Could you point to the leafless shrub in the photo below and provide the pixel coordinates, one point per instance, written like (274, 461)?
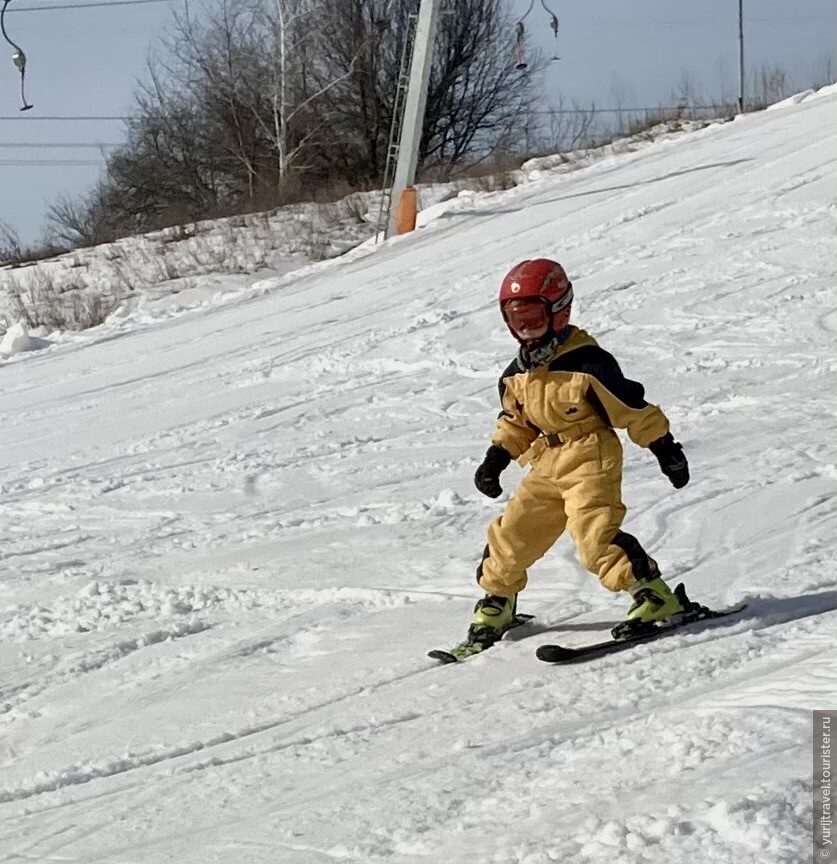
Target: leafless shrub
(10, 249)
(320, 245)
(568, 127)
(80, 222)
(206, 256)
(768, 84)
(112, 253)
(125, 278)
(355, 208)
(178, 233)
(167, 265)
(39, 301)
(14, 253)
(494, 181)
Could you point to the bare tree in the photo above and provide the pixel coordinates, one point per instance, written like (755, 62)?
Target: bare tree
(769, 84)
(218, 63)
(251, 100)
(162, 173)
(687, 94)
(360, 49)
(568, 127)
(476, 98)
(81, 222)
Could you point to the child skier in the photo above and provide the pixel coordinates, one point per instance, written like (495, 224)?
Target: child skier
(562, 397)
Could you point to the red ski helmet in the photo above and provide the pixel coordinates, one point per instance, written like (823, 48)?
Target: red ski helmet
(535, 300)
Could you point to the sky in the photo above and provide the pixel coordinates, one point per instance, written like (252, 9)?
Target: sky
(84, 62)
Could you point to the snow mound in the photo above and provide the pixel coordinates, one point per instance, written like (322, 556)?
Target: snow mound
(17, 341)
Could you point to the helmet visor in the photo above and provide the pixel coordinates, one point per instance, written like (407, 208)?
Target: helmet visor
(528, 319)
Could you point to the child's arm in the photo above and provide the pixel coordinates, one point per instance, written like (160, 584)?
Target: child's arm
(512, 437)
(514, 433)
(622, 401)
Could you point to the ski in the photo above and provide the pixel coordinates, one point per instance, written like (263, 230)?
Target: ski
(466, 649)
(559, 654)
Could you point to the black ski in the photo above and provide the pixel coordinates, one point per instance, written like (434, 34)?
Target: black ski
(561, 654)
(467, 649)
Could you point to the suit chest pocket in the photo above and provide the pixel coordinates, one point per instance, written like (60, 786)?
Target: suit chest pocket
(565, 404)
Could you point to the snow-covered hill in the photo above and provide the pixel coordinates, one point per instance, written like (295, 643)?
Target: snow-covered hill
(148, 277)
(230, 535)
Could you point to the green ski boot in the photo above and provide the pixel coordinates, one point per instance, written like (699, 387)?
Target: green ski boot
(654, 604)
(493, 615)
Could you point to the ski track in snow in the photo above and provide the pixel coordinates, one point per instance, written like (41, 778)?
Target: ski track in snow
(230, 537)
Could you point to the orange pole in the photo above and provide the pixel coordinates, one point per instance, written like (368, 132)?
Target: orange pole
(405, 219)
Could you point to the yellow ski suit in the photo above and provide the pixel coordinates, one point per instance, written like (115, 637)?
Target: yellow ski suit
(559, 418)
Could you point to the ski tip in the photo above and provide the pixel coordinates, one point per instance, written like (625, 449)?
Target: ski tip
(442, 656)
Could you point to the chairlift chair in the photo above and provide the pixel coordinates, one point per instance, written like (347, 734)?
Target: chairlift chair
(520, 36)
(18, 58)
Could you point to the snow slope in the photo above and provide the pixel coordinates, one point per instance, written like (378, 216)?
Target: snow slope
(186, 267)
(230, 536)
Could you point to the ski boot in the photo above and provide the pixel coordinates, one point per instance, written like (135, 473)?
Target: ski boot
(655, 604)
(493, 615)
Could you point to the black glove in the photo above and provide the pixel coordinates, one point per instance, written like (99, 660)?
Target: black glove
(672, 460)
(487, 478)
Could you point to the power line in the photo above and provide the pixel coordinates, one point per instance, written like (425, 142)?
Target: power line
(55, 145)
(648, 109)
(91, 118)
(49, 163)
(96, 118)
(69, 145)
(611, 22)
(94, 5)
(691, 23)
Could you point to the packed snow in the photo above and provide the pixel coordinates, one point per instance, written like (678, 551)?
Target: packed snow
(234, 527)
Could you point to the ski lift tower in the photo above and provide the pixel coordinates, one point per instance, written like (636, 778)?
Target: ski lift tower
(408, 146)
